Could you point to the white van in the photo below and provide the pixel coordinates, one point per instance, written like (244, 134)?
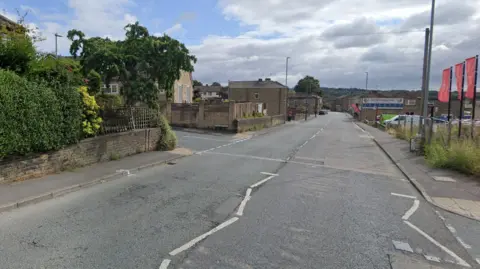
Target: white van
(400, 119)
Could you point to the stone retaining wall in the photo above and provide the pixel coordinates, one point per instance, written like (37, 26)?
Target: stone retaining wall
(86, 152)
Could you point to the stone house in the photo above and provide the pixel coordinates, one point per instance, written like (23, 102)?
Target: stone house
(209, 92)
(9, 24)
(272, 93)
(182, 88)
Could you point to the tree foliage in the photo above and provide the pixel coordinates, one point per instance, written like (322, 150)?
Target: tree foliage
(94, 82)
(216, 84)
(16, 50)
(308, 84)
(56, 71)
(143, 63)
(36, 117)
(90, 119)
(197, 83)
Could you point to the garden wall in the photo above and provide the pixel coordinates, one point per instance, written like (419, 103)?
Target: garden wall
(253, 124)
(86, 152)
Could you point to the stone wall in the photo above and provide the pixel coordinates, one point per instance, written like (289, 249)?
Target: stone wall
(86, 152)
(254, 124)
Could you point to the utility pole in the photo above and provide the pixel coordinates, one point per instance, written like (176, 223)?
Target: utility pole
(424, 82)
(366, 81)
(56, 44)
(429, 62)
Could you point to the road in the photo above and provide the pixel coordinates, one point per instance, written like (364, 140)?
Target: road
(315, 194)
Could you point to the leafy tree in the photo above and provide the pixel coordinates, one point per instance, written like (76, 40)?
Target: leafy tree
(56, 71)
(308, 84)
(94, 82)
(197, 83)
(216, 84)
(143, 63)
(16, 50)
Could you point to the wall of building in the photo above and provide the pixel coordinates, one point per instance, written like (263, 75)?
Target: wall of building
(183, 88)
(274, 98)
(86, 152)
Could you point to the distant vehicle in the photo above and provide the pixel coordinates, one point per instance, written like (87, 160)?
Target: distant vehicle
(323, 112)
(400, 119)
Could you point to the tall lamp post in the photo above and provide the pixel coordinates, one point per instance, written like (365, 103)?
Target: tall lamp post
(366, 81)
(429, 59)
(286, 72)
(286, 85)
(56, 44)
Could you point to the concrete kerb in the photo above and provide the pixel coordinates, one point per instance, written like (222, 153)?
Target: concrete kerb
(60, 192)
(417, 184)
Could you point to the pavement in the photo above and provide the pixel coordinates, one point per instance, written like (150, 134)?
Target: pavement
(455, 193)
(314, 194)
(447, 189)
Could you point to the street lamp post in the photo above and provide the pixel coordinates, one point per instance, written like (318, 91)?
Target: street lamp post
(286, 72)
(56, 44)
(366, 81)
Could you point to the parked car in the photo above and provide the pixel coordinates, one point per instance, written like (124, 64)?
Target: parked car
(400, 119)
(322, 112)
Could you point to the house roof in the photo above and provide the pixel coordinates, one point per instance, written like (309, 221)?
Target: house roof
(4, 19)
(208, 88)
(262, 84)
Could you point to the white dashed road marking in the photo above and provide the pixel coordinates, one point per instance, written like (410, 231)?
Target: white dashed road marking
(164, 264)
(465, 245)
(203, 236)
(244, 202)
(412, 210)
(403, 195)
(458, 260)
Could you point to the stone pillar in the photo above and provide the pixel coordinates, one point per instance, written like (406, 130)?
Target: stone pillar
(201, 115)
(231, 115)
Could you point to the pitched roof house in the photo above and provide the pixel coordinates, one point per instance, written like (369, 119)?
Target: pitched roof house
(272, 93)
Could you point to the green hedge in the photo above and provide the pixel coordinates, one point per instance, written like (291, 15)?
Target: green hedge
(35, 117)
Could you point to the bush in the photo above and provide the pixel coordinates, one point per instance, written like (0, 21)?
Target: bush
(94, 82)
(168, 139)
(56, 71)
(462, 155)
(31, 117)
(90, 119)
(16, 50)
(109, 101)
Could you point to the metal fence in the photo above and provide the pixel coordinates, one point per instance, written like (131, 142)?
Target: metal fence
(122, 119)
(435, 129)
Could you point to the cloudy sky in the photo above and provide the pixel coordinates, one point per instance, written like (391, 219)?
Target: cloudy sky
(336, 41)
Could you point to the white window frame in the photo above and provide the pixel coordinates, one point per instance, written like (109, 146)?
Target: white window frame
(411, 102)
(114, 88)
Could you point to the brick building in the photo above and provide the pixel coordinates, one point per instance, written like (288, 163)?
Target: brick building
(269, 92)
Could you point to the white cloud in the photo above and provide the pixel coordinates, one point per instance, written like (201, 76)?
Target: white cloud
(338, 40)
(333, 40)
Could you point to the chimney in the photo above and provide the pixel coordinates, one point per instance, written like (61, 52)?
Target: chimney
(259, 79)
(268, 79)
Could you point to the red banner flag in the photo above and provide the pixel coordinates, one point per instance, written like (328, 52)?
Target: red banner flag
(444, 92)
(459, 79)
(355, 108)
(470, 68)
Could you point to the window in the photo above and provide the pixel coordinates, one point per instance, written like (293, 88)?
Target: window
(255, 95)
(114, 88)
(209, 93)
(411, 102)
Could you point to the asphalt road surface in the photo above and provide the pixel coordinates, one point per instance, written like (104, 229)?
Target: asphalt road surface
(315, 194)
